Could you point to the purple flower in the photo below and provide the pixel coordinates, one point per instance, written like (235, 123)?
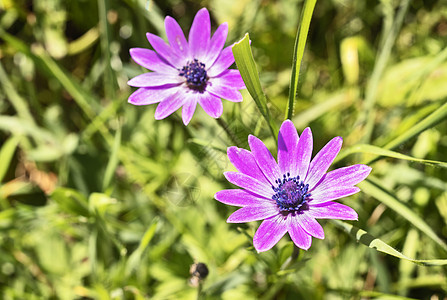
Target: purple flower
(186, 73)
(291, 194)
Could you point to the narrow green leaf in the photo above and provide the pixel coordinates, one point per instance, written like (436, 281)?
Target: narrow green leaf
(429, 121)
(71, 201)
(45, 63)
(300, 44)
(135, 258)
(366, 239)
(109, 76)
(363, 148)
(6, 154)
(19, 103)
(113, 161)
(372, 187)
(247, 67)
(389, 35)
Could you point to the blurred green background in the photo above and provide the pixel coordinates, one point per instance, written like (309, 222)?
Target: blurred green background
(100, 201)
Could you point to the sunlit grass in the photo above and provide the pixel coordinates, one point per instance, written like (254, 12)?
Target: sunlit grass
(99, 200)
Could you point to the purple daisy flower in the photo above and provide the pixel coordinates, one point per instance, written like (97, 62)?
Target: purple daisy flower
(187, 72)
(291, 194)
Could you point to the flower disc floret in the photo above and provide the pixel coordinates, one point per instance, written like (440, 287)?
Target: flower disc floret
(290, 194)
(195, 74)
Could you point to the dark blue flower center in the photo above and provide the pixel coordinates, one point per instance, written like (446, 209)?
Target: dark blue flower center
(291, 194)
(195, 74)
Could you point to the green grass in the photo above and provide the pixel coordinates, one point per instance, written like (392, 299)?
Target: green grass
(100, 201)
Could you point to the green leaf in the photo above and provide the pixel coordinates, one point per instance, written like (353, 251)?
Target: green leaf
(364, 148)
(71, 201)
(247, 67)
(366, 239)
(135, 258)
(372, 187)
(429, 121)
(113, 161)
(300, 44)
(6, 155)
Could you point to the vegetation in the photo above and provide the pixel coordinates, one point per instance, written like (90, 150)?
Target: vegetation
(98, 200)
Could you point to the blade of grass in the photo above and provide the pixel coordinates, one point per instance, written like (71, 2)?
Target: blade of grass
(339, 100)
(135, 258)
(429, 121)
(368, 114)
(113, 161)
(7, 153)
(20, 105)
(45, 63)
(370, 241)
(247, 67)
(300, 44)
(384, 152)
(372, 187)
(109, 78)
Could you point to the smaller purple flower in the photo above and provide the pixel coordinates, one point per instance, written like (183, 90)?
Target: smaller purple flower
(187, 72)
(291, 194)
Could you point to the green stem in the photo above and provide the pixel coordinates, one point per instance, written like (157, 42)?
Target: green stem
(199, 291)
(229, 132)
(292, 258)
(300, 44)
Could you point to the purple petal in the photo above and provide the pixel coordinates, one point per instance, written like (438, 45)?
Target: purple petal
(176, 38)
(222, 63)
(230, 78)
(238, 197)
(322, 161)
(332, 210)
(287, 146)
(304, 153)
(165, 51)
(145, 96)
(151, 60)
(333, 194)
(347, 176)
(270, 232)
(153, 79)
(298, 235)
(188, 108)
(245, 163)
(253, 213)
(264, 159)
(216, 44)
(222, 91)
(199, 35)
(310, 225)
(249, 183)
(211, 104)
(169, 105)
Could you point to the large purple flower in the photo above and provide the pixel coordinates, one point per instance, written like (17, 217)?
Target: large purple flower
(291, 194)
(187, 73)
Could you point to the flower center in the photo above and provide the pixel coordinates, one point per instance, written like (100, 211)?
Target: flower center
(291, 194)
(195, 74)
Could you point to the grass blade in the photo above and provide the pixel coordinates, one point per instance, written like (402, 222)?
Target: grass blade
(113, 161)
(428, 122)
(300, 44)
(371, 90)
(373, 189)
(366, 239)
(371, 149)
(6, 154)
(247, 67)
